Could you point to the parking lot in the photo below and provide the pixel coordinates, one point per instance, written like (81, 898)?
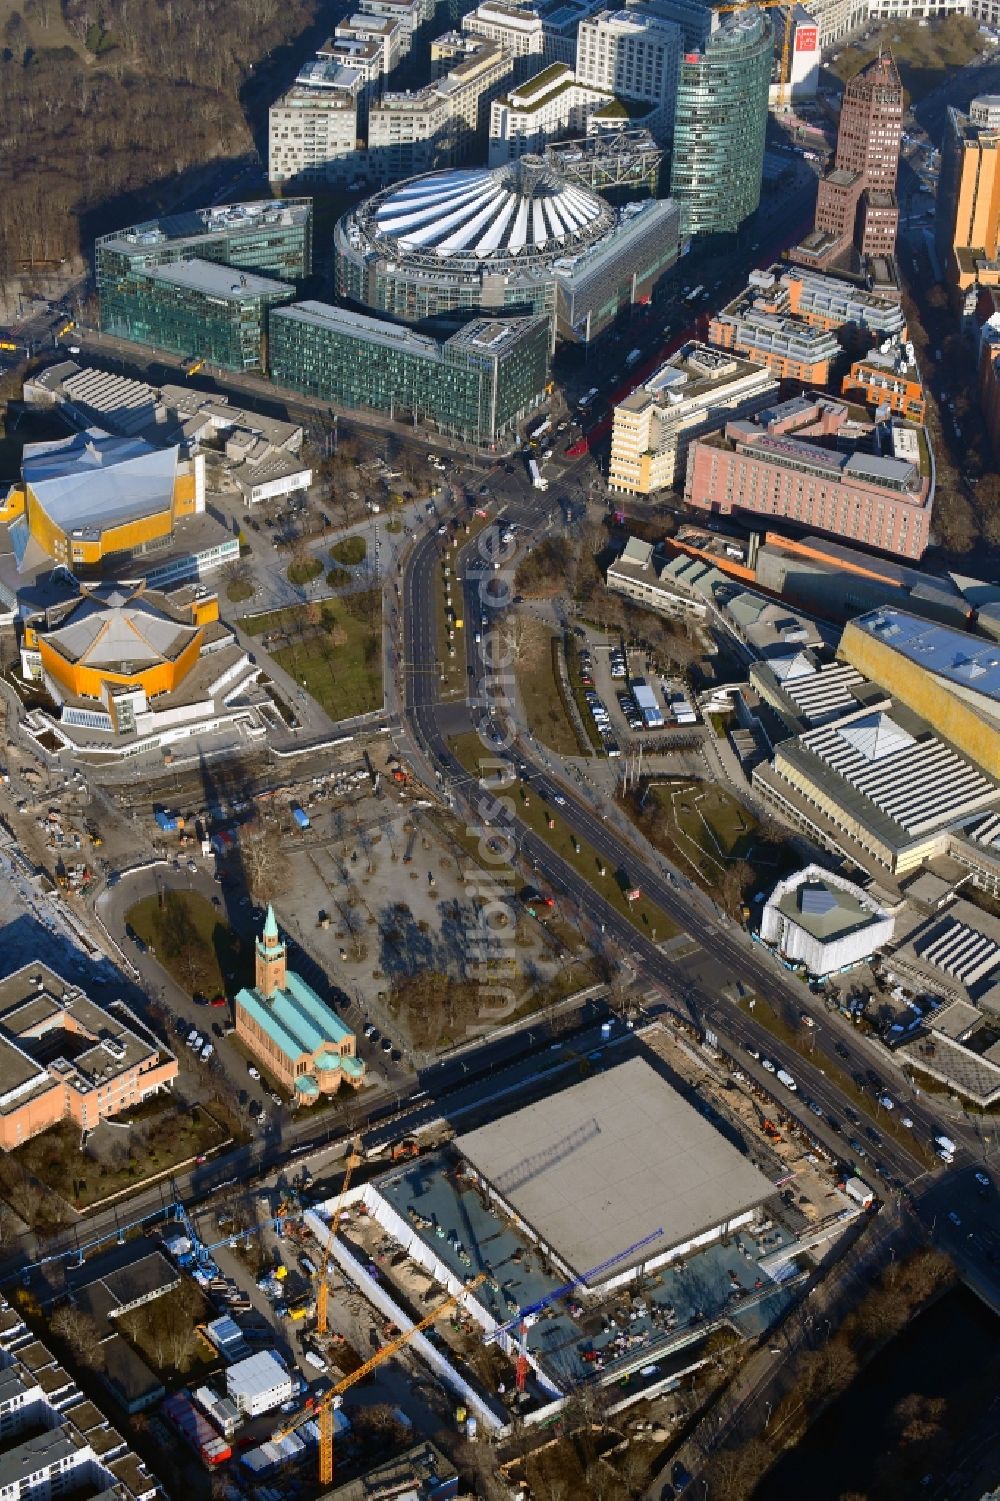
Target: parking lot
(626, 699)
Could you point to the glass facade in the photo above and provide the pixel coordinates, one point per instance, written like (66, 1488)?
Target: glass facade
(227, 330)
(139, 299)
(475, 386)
(720, 124)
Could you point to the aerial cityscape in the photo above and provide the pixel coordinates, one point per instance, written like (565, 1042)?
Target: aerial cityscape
(500, 784)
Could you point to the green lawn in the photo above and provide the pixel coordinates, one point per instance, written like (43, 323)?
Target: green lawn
(189, 939)
(351, 551)
(239, 590)
(705, 830)
(540, 690)
(333, 649)
(612, 884)
(304, 572)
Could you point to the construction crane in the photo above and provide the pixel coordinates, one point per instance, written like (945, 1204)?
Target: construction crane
(323, 1284)
(322, 1410)
(788, 7)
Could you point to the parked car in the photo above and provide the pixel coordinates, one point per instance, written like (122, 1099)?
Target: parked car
(253, 1072)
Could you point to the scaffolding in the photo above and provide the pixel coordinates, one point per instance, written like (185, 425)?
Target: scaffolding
(625, 163)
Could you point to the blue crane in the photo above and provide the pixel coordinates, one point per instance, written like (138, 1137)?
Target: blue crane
(567, 1287)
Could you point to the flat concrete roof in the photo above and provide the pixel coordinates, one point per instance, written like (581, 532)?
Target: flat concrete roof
(600, 1166)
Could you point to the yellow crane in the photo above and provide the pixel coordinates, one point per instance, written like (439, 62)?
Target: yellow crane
(323, 1285)
(786, 43)
(322, 1410)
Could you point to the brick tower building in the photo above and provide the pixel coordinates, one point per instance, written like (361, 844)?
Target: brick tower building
(856, 209)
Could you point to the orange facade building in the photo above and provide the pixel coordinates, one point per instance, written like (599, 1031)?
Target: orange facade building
(64, 1057)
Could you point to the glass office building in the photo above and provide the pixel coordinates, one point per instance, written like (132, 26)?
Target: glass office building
(720, 124)
(475, 386)
(201, 283)
(201, 309)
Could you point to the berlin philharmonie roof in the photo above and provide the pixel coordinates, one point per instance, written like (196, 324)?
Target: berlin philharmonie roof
(600, 1166)
(111, 628)
(480, 213)
(93, 480)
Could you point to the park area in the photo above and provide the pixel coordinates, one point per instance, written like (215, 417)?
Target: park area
(332, 648)
(142, 1143)
(925, 55)
(188, 937)
(710, 835)
(532, 646)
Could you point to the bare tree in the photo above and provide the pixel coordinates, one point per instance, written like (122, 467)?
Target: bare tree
(265, 864)
(79, 1331)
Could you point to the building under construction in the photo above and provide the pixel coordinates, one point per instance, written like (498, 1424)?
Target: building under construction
(622, 166)
(608, 1227)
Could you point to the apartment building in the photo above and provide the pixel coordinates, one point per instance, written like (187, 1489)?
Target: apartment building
(409, 15)
(633, 56)
(529, 116)
(514, 27)
(789, 348)
(788, 318)
(384, 31)
(692, 394)
(312, 130)
(811, 462)
(888, 377)
(53, 1440)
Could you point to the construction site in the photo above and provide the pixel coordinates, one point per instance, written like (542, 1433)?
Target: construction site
(601, 1230)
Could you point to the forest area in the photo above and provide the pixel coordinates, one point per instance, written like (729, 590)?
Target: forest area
(100, 100)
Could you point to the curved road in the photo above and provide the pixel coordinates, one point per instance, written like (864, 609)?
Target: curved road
(431, 724)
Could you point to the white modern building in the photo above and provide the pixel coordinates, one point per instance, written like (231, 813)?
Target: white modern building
(824, 922)
(384, 31)
(532, 114)
(636, 56)
(259, 1384)
(695, 392)
(804, 52)
(410, 15)
(519, 30)
(312, 130)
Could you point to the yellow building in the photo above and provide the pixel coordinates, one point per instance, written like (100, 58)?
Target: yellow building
(696, 391)
(948, 677)
(967, 219)
(113, 655)
(91, 497)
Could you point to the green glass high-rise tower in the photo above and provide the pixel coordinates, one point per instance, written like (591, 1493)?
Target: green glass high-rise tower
(720, 124)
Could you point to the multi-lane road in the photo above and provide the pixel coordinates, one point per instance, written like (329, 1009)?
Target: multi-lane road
(904, 1158)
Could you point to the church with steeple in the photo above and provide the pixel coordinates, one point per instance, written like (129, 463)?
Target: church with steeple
(297, 1039)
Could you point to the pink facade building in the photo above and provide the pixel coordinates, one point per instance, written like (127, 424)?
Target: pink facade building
(813, 462)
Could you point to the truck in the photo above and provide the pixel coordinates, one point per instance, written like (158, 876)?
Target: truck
(785, 1078)
(537, 479)
(540, 431)
(943, 1145)
(632, 358)
(301, 817)
(858, 1190)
